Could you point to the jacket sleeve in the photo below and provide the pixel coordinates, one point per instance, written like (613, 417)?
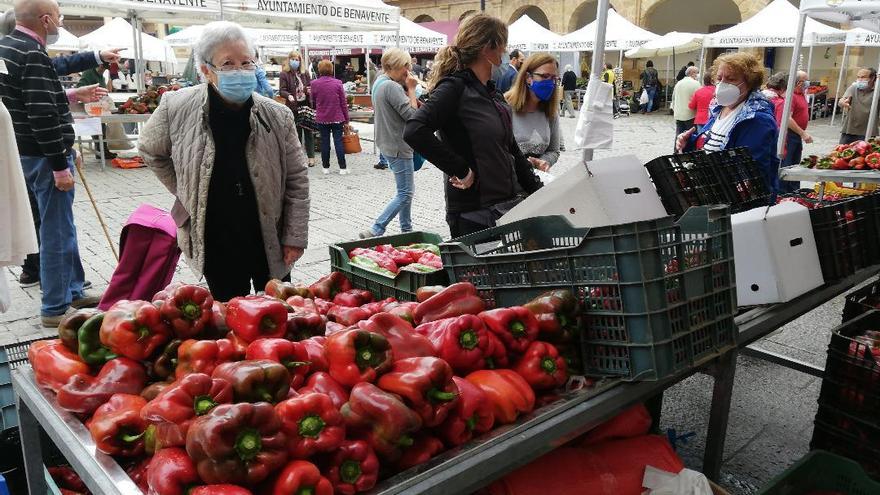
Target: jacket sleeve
(38, 95)
(343, 101)
(432, 116)
(760, 138)
(296, 191)
(284, 88)
(400, 101)
(551, 154)
(78, 62)
(525, 174)
(693, 103)
(155, 147)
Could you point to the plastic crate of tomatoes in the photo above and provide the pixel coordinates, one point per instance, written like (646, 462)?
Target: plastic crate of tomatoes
(852, 370)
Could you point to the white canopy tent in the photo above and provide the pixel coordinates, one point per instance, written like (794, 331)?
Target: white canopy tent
(311, 15)
(261, 37)
(67, 42)
(117, 34)
(619, 34)
(669, 44)
(527, 35)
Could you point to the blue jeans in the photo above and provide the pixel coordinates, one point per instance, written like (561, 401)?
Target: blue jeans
(382, 159)
(794, 148)
(402, 202)
(325, 130)
(652, 94)
(61, 271)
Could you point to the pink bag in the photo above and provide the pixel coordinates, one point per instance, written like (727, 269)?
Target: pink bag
(148, 254)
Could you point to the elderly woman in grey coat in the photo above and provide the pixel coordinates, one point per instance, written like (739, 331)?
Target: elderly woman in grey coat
(232, 159)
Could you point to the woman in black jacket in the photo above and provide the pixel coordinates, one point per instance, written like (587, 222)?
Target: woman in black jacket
(487, 175)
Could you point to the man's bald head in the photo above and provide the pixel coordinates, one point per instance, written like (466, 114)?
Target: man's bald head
(29, 12)
(801, 76)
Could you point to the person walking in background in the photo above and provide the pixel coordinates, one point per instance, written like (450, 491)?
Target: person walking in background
(417, 69)
(331, 114)
(609, 77)
(569, 86)
(394, 102)
(294, 86)
(700, 101)
(241, 182)
(510, 71)
(650, 82)
(796, 135)
(682, 94)
(474, 144)
(534, 99)
(856, 101)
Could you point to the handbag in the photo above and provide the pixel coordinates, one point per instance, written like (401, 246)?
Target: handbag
(351, 141)
(305, 117)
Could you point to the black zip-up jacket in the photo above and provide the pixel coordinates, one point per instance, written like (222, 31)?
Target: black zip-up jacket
(569, 81)
(475, 132)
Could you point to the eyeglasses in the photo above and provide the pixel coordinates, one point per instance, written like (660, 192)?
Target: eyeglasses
(228, 66)
(552, 77)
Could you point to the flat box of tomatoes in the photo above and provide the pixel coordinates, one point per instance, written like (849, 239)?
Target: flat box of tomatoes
(314, 389)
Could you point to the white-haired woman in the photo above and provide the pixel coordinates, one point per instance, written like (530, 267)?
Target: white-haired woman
(232, 160)
(394, 102)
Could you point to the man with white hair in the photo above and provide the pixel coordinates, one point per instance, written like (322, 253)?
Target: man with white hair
(681, 98)
(569, 86)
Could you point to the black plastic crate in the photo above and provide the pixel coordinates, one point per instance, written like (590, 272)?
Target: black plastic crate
(741, 178)
(841, 232)
(851, 380)
(861, 301)
(685, 180)
(843, 434)
(656, 295)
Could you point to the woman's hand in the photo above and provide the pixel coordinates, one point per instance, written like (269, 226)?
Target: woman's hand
(465, 183)
(682, 139)
(290, 98)
(292, 254)
(542, 165)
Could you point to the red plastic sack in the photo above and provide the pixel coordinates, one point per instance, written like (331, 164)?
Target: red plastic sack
(610, 468)
(634, 422)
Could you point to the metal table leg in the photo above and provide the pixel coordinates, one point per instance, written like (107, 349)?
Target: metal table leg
(722, 393)
(101, 150)
(29, 430)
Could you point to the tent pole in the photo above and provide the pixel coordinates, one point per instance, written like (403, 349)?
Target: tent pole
(367, 63)
(792, 79)
(702, 61)
(140, 52)
(669, 59)
(598, 55)
(839, 82)
(872, 119)
(810, 59)
(620, 60)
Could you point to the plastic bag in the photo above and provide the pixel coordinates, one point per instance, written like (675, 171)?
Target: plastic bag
(643, 99)
(633, 422)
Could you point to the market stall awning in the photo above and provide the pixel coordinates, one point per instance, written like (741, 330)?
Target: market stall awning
(859, 13)
(862, 37)
(775, 25)
(310, 15)
(118, 34)
(620, 34)
(526, 34)
(67, 42)
(173, 11)
(668, 44)
(413, 37)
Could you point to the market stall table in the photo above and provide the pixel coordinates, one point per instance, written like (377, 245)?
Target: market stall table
(114, 118)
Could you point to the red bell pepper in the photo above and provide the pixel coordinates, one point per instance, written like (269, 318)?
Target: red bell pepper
(291, 354)
(283, 290)
(258, 380)
(134, 329)
(424, 447)
(460, 341)
(555, 310)
(330, 285)
(173, 410)
(333, 327)
(357, 356)
(542, 366)
(69, 326)
(324, 306)
(353, 298)
(312, 425)
(474, 413)
(117, 427)
(840, 164)
(496, 354)
(255, 317)
(323, 383)
(509, 393)
(405, 311)
(426, 292)
(397, 255)
(302, 304)
(383, 260)
(187, 309)
(382, 418)
(456, 300)
(431, 259)
(202, 356)
(216, 327)
(301, 478)
(404, 341)
(425, 385)
(314, 347)
(172, 472)
(154, 389)
(238, 344)
(380, 306)
(873, 161)
(347, 316)
(353, 468)
(83, 393)
(302, 324)
(860, 147)
(237, 443)
(65, 477)
(221, 489)
(54, 363)
(137, 471)
(516, 326)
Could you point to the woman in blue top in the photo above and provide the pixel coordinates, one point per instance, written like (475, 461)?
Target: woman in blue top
(740, 116)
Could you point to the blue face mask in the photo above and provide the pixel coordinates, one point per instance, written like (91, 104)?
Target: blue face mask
(862, 84)
(236, 85)
(294, 64)
(543, 89)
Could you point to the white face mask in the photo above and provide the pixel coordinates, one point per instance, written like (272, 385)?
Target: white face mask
(726, 94)
(52, 38)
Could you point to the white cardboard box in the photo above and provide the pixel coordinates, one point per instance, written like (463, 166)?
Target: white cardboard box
(775, 257)
(618, 191)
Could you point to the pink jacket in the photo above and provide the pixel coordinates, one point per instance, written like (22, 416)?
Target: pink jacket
(328, 99)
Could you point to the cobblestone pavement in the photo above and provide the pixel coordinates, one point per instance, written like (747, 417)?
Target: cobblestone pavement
(771, 421)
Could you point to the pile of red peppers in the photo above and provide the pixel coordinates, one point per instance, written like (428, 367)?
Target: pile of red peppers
(315, 389)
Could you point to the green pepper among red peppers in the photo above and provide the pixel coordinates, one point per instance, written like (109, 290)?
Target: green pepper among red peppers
(312, 425)
(188, 310)
(171, 472)
(353, 468)
(542, 366)
(117, 427)
(357, 356)
(69, 326)
(301, 478)
(258, 380)
(83, 393)
(237, 443)
(460, 341)
(385, 421)
(54, 363)
(456, 300)
(516, 326)
(292, 355)
(90, 348)
(202, 356)
(404, 341)
(508, 392)
(255, 317)
(425, 385)
(473, 414)
(134, 329)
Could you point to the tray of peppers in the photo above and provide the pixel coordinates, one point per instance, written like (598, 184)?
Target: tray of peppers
(858, 155)
(316, 389)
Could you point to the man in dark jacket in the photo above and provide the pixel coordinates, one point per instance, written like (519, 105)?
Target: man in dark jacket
(683, 72)
(507, 77)
(569, 86)
(650, 82)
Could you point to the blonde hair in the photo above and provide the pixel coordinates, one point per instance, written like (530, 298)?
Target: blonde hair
(302, 64)
(325, 68)
(475, 33)
(395, 58)
(518, 94)
(744, 64)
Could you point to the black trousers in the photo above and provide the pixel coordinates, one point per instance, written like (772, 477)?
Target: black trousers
(850, 138)
(229, 272)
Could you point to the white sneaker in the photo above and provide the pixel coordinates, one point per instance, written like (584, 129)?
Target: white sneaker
(325, 171)
(344, 171)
